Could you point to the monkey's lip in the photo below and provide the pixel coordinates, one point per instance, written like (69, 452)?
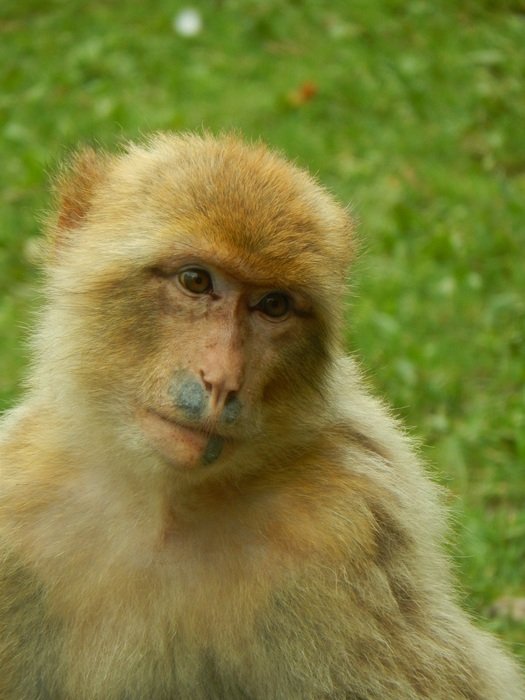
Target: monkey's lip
(190, 430)
(174, 421)
(180, 444)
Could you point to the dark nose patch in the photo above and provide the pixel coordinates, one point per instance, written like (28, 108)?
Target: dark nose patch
(231, 411)
(189, 396)
(213, 449)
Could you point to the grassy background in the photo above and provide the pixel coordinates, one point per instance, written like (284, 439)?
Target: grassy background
(412, 110)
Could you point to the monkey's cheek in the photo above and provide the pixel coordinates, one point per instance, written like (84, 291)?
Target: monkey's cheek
(181, 447)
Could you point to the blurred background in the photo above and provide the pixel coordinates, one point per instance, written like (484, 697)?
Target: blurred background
(413, 112)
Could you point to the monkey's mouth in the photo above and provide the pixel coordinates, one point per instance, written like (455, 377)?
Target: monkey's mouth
(180, 444)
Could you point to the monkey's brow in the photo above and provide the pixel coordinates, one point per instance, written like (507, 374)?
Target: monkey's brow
(234, 267)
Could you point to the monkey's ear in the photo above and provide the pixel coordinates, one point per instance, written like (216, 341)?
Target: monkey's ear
(75, 187)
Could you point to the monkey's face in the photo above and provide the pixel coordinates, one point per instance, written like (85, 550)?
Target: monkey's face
(196, 360)
(203, 296)
(222, 347)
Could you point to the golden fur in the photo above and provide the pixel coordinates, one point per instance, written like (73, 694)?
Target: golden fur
(304, 560)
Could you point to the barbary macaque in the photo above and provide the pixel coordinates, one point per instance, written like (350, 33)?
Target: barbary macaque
(199, 497)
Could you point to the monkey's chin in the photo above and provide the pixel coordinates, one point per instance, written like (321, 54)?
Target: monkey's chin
(182, 447)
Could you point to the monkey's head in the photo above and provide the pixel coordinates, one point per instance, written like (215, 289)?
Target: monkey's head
(195, 293)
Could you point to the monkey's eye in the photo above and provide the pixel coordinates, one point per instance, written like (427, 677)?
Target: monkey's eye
(274, 305)
(195, 280)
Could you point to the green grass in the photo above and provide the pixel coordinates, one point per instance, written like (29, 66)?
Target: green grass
(417, 119)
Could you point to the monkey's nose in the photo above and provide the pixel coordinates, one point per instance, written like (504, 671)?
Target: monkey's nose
(223, 402)
(195, 398)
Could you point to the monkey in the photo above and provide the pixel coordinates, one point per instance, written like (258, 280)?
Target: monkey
(201, 498)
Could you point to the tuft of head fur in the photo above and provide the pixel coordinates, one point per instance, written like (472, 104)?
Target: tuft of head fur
(229, 195)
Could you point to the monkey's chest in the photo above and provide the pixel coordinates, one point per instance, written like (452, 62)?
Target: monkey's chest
(177, 625)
